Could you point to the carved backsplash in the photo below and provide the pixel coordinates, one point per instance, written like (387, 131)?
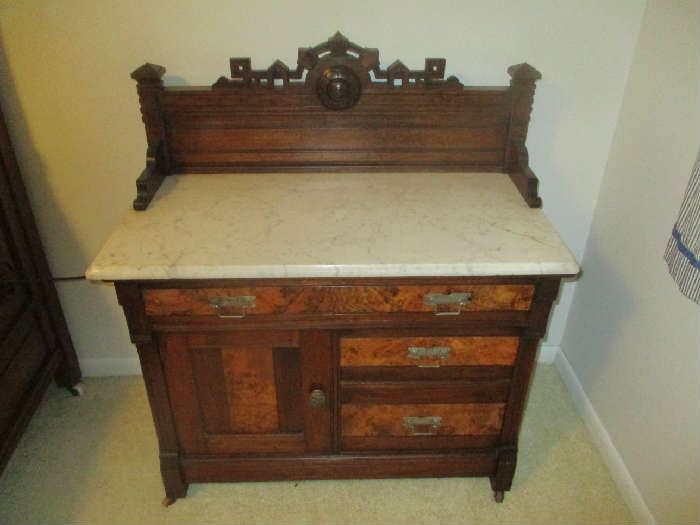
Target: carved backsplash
(338, 110)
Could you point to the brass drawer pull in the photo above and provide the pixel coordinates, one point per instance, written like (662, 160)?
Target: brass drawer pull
(242, 302)
(436, 300)
(422, 425)
(428, 352)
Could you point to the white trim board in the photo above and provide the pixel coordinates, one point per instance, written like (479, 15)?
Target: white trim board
(612, 458)
(547, 354)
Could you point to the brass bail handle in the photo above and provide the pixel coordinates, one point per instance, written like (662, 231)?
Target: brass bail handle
(453, 301)
(223, 305)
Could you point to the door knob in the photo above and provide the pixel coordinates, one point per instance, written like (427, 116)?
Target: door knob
(317, 398)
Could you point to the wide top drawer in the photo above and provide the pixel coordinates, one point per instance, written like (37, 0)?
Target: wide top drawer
(238, 301)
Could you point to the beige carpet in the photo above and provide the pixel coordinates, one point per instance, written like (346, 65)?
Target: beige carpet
(93, 460)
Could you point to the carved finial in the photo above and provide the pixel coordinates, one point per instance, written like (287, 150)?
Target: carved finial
(397, 68)
(278, 68)
(524, 73)
(148, 73)
(338, 44)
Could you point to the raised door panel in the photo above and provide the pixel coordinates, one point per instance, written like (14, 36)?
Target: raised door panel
(248, 392)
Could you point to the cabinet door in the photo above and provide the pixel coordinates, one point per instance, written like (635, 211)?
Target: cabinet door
(262, 392)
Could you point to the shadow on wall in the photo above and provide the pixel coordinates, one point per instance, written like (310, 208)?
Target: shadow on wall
(32, 166)
(86, 305)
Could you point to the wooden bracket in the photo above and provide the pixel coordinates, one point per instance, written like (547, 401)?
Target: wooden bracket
(150, 179)
(522, 176)
(522, 88)
(150, 89)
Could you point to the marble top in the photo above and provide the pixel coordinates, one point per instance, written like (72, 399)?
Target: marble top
(333, 225)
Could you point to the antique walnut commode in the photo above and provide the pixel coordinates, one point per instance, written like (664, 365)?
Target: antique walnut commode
(372, 306)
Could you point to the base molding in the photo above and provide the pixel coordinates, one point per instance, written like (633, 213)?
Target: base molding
(611, 456)
(547, 354)
(345, 466)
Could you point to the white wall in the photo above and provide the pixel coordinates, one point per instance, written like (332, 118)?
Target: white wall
(632, 338)
(73, 113)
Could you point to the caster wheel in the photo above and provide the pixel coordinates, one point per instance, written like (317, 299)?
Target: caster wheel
(498, 496)
(77, 389)
(167, 501)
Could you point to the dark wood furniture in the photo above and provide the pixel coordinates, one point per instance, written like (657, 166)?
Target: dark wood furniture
(260, 379)
(34, 341)
(337, 378)
(338, 111)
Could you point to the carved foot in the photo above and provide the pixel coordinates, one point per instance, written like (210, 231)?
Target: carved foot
(167, 501)
(498, 496)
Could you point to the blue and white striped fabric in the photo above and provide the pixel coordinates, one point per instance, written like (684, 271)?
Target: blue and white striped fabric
(683, 250)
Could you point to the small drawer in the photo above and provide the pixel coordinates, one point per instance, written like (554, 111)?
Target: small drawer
(237, 302)
(420, 426)
(428, 352)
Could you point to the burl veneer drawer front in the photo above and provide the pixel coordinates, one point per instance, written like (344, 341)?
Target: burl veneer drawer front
(237, 302)
(428, 352)
(420, 426)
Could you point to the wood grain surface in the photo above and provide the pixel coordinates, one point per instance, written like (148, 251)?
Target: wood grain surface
(394, 351)
(301, 300)
(388, 420)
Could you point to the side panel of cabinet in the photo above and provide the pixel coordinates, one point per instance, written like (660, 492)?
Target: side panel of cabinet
(247, 392)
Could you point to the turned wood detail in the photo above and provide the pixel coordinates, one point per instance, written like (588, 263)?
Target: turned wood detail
(337, 70)
(149, 78)
(522, 88)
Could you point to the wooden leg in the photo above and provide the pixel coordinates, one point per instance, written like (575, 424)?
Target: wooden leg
(174, 482)
(68, 373)
(505, 469)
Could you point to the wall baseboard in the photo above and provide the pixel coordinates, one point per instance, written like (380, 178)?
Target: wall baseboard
(548, 354)
(612, 458)
(109, 366)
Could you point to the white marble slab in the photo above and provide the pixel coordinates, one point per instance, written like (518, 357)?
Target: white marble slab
(333, 225)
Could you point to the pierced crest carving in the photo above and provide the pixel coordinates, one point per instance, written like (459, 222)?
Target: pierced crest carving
(338, 70)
